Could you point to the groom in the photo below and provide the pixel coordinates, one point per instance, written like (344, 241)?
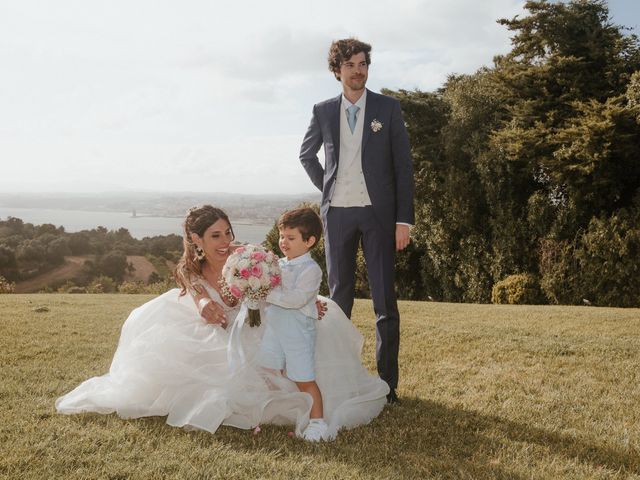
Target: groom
(367, 192)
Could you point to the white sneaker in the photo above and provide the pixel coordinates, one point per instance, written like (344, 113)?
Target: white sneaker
(316, 430)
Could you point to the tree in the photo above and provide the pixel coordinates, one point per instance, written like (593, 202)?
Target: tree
(57, 249)
(8, 263)
(566, 73)
(79, 243)
(514, 162)
(113, 265)
(31, 252)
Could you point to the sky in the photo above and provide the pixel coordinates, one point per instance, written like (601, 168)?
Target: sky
(205, 96)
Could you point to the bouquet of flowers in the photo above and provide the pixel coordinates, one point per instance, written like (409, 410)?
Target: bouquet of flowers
(250, 273)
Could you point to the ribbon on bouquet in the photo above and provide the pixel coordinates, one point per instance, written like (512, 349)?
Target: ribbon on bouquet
(235, 351)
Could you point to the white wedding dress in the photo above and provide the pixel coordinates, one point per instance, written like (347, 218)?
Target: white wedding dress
(170, 363)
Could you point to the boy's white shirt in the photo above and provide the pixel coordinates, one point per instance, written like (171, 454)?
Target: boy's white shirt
(301, 279)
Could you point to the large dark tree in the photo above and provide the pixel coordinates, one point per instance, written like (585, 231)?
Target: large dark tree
(516, 162)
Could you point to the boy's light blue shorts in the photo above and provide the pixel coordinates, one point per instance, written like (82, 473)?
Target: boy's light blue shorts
(289, 343)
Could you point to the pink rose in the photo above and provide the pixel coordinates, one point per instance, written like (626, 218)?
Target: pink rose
(256, 271)
(275, 281)
(235, 291)
(240, 250)
(258, 256)
(245, 273)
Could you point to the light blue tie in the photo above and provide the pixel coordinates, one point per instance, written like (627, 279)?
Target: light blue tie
(352, 111)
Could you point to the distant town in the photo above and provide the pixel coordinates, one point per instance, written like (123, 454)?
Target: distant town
(242, 208)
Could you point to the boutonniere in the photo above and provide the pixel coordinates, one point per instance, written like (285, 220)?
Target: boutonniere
(376, 125)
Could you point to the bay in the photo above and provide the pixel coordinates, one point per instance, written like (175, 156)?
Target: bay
(139, 227)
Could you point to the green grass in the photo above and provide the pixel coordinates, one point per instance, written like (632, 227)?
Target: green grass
(488, 392)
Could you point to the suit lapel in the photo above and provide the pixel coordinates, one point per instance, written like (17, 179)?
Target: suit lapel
(370, 112)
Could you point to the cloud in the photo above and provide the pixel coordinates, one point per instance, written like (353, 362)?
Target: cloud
(265, 55)
(168, 95)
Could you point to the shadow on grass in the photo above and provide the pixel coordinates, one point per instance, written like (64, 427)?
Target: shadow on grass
(418, 439)
(421, 438)
(475, 439)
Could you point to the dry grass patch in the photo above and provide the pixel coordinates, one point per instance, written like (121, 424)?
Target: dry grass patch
(487, 392)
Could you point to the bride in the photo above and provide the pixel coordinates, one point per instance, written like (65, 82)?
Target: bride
(186, 356)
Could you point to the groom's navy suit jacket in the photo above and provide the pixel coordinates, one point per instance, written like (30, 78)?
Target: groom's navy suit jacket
(386, 157)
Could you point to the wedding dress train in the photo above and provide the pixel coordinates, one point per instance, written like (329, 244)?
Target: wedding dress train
(170, 363)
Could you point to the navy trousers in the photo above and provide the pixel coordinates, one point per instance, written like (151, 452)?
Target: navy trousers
(344, 229)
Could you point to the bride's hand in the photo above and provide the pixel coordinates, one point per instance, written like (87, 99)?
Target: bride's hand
(212, 312)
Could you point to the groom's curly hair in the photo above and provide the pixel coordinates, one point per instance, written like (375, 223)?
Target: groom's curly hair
(342, 50)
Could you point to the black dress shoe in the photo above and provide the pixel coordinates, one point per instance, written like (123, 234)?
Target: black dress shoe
(392, 397)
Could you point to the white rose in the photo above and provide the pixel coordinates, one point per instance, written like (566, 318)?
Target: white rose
(254, 283)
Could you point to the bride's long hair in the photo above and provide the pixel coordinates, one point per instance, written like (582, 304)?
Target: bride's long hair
(189, 267)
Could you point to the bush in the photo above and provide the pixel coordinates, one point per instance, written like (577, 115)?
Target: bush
(153, 278)
(132, 287)
(6, 286)
(102, 284)
(76, 289)
(609, 258)
(160, 264)
(8, 263)
(62, 286)
(160, 287)
(600, 266)
(519, 289)
(113, 264)
(559, 271)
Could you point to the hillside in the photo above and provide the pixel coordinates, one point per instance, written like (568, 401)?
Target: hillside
(73, 265)
(68, 270)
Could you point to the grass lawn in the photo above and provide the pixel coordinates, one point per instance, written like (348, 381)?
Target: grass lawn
(488, 392)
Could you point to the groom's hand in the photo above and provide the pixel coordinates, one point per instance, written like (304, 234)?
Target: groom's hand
(402, 236)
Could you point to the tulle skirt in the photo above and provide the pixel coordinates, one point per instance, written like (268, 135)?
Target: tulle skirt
(170, 363)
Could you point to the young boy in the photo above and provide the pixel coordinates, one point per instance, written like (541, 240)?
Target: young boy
(290, 331)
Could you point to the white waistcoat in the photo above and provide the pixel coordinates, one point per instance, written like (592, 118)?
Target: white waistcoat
(350, 189)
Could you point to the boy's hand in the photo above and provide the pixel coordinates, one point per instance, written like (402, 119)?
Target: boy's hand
(322, 307)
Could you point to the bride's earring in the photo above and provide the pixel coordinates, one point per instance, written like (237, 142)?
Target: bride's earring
(199, 254)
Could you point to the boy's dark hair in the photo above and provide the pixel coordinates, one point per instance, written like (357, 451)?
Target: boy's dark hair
(304, 219)
(342, 50)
